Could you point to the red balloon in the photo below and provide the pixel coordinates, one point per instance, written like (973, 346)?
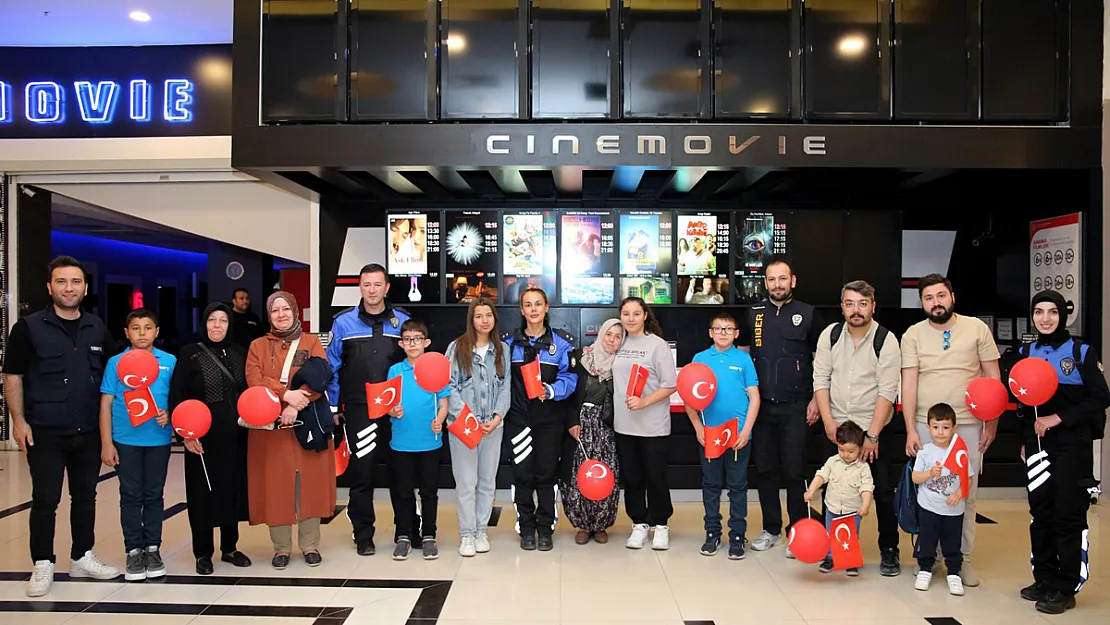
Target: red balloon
(595, 480)
(258, 406)
(137, 368)
(809, 541)
(697, 385)
(432, 371)
(986, 398)
(1033, 381)
(191, 419)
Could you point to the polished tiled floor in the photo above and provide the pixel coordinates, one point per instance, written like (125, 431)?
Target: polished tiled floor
(594, 584)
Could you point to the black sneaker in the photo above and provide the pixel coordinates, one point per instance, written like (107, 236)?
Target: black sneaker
(135, 570)
(826, 566)
(712, 542)
(852, 572)
(736, 548)
(365, 547)
(401, 551)
(429, 549)
(1035, 591)
(890, 564)
(528, 543)
(546, 543)
(1056, 602)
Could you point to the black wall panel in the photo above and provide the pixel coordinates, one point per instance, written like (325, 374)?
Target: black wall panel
(664, 62)
(1024, 60)
(752, 64)
(300, 81)
(936, 60)
(571, 60)
(847, 61)
(479, 48)
(389, 59)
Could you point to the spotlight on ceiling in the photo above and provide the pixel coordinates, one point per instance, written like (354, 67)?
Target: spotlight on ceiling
(139, 16)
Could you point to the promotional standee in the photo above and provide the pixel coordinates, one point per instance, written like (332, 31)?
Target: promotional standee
(1056, 263)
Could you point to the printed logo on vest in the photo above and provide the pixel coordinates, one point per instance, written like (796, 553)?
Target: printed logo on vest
(797, 319)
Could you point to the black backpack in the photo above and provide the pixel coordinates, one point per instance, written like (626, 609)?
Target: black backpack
(905, 503)
(880, 336)
(1098, 424)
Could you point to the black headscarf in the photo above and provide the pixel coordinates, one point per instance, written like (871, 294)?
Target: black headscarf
(204, 320)
(1060, 335)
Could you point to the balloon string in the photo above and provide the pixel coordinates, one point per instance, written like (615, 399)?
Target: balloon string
(435, 410)
(1035, 417)
(204, 466)
(585, 455)
(809, 508)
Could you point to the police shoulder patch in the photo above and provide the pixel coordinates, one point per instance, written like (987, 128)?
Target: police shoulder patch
(1101, 370)
(1067, 365)
(564, 335)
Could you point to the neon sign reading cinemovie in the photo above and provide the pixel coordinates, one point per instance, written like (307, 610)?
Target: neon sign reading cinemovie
(45, 101)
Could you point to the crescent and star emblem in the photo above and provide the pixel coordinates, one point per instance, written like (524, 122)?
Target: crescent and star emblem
(132, 384)
(964, 463)
(272, 396)
(1020, 391)
(694, 390)
(970, 404)
(602, 468)
(843, 541)
(470, 417)
(142, 402)
(727, 437)
(392, 396)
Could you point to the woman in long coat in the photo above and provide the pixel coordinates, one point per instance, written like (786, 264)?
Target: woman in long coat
(288, 483)
(212, 371)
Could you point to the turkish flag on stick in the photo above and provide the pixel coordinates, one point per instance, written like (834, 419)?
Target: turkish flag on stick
(140, 405)
(844, 541)
(720, 438)
(636, 381)
(383, 396)
(957, 462)
(533, 383)
(466, 428)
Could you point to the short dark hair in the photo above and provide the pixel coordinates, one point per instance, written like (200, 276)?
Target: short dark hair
(778, 260)
(861, 287)
(412, 325)
(62, 262)
(372, 268)
(723, 315)
(942, 412)
(238, 291)
(849, 432)
(141, 313)
(933, 279)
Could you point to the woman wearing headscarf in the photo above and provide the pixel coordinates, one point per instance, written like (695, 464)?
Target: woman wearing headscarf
(212, 371)
(596, 438)
(288, 483)
(1058, 447)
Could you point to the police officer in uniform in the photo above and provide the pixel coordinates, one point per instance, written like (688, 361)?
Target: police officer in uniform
(781, 334)
(364, 344)
(1058, 440)
(52, 375)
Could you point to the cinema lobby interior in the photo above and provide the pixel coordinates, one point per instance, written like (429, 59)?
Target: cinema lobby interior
(766, 298)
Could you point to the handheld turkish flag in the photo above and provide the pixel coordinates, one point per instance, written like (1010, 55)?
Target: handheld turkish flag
(533, 383)
(636, 381)
(342, 457)
(466, 428)
(721, 438)
(140, 405)
(846, 552)
(383, 396)
(957, 461)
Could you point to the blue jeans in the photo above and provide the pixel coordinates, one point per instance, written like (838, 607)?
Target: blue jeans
(142, 479)
(829, 516)
(729, 470)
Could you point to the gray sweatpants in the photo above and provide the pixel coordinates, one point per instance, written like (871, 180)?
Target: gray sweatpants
(475, 472)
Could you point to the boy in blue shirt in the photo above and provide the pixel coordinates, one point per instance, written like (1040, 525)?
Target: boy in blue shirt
(139, 454)
(734, 370)
(417, 438)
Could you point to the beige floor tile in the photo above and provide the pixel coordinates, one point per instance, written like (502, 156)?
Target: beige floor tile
(495, 599)
(637, 602)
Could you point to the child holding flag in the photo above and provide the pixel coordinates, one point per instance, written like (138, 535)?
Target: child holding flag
(943, 469)
(847, 499)
(724, 430)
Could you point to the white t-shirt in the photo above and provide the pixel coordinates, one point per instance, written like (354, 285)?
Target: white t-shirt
(933, 493)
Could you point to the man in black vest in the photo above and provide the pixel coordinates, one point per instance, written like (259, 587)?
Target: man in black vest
(52, 375)
(245, 324)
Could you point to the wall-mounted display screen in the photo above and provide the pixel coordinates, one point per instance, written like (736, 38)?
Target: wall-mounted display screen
(412, 256)
(471, 245)
(645, 256)
(759, 238)
(530, 253)
(586, 261)
(704, 244)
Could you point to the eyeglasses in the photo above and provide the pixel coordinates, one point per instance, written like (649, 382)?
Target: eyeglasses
(947, 339)
(720, 330)
(408, 340)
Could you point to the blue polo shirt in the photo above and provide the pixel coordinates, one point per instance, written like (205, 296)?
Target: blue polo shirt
(413, 431)
(735, 373)
(149, 434)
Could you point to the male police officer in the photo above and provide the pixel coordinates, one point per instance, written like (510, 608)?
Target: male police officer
(52, 375)
(781, 335)
(364, 344)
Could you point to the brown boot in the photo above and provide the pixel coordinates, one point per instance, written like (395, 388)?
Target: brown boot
(601, 537)
(582, 537)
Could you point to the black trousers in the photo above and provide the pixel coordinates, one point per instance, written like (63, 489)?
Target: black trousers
(780, 437)
(369, 443)
(535, 452)
(647, 494)
(935, 528)
(416, 470)
(884, 490)
(1058, 504)
(54, 456)
(204, 545)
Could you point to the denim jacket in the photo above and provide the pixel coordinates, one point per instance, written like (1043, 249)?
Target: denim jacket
(484, 391)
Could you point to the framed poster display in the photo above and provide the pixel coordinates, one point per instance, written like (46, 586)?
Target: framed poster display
(759, 237)
(1056, 263)
(645, 256)
(586, 262)
(529, 253)
(413, 256)
(703, 257)
(471, 245)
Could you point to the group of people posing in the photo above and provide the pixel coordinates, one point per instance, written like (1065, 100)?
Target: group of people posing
(790, 373)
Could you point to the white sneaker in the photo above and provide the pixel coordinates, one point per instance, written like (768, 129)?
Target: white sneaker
(481, 543)
(41, 579)
(91, 566)
(955, 585)
(924, 578)
(639, 535)
(765, 541)
(466, 548)
(662, 539)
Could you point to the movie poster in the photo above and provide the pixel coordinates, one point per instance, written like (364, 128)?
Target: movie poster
(697, 245)
(702, 290)
(586, 257)
(530, 253)
(471, 245)
(761, 237)
(412, 257)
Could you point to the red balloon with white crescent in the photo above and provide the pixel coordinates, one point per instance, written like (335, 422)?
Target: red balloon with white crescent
(191, 419)
(809, 541)
(697, 385)
(986, 398)
(137, 368)
(432, 371)
(1033, 381)
(595, 480)
(258, 406)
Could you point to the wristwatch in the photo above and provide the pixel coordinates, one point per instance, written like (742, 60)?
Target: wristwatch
(873, 439)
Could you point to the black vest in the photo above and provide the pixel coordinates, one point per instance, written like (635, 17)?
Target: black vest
(62, 386)
(781, 350)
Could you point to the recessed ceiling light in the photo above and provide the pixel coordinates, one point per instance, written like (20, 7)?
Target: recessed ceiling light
(139, 16)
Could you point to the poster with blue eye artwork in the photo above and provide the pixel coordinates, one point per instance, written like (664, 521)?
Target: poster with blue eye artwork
(760, 237)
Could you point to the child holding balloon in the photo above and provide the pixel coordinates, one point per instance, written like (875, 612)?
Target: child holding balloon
(135, 437)
(851, 487)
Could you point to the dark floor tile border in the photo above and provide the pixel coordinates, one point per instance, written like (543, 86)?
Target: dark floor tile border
(941, 620)
(982, 520)
(174, 510)
(495, 516)
(7, 512)
(339, 508)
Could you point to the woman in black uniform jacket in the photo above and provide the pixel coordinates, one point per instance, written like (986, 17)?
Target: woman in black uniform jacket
(1059, 457)
(213, 372)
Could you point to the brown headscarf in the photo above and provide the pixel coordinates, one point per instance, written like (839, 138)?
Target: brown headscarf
(294, 332)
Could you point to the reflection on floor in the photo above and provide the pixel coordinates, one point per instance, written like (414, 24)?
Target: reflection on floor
(592, 584)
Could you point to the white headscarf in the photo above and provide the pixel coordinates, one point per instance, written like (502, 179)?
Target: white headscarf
(595, 359)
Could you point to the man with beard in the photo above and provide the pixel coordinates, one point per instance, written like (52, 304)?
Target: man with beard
(855, 378)
(364, 342)
(940, 357)
(52, 375)
(781, 335)
(245, 324)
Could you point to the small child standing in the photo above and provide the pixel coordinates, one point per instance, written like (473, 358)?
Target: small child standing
(940, 503)
(417, 439)
(139, 454)
(850, 485)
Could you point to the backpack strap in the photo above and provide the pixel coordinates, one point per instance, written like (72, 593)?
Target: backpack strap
(880, 340)
(834, 334)
(1078, 354)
